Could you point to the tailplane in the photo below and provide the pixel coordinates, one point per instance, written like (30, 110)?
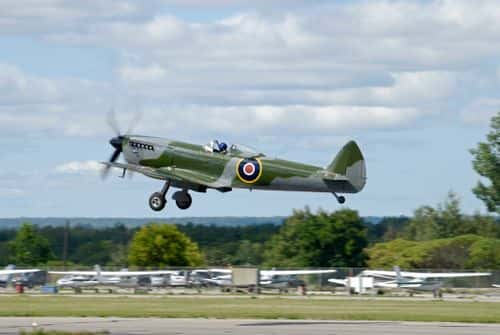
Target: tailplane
(350, 163)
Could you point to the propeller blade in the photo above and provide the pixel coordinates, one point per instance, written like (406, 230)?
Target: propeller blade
(113, 158)
(134, 122)
(115, 155)
(105, 172)
(112, 122)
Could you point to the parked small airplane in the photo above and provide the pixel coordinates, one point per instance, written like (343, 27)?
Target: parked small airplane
(217, 166)
(26, 277)
(123, 279)
(273, 279)
(417, 281)
(497, 286)
(179, 278)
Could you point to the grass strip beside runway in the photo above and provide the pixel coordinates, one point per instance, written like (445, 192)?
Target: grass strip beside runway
(250, 308)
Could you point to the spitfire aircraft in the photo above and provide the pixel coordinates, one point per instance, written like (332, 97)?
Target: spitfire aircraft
(191, 167)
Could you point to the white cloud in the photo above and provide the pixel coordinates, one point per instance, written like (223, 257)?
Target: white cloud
(480, 111)
(76, 167)
(45, 16)
(329, 66)
(147, 74)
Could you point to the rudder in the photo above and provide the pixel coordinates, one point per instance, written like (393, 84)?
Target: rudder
(350, 162)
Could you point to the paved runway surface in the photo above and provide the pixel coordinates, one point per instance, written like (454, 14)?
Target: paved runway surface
(250, 327)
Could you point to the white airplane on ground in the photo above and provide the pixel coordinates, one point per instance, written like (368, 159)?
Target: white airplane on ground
(277, 279)
(497, 286)
(124, 278)
(217, 277)
(10, 274)
(416, 281)
(179, 278)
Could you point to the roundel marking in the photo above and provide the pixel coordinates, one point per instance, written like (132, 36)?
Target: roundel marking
(249, 170)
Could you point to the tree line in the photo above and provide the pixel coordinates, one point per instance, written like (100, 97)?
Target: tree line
(435, 237)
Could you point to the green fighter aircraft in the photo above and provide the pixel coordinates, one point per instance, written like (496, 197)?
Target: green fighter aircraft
(191, 167)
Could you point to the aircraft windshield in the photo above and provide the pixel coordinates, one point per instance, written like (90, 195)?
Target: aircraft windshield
(243, 150)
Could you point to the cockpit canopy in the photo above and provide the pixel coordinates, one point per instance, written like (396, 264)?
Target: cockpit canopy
(217, 146)
(244, 151)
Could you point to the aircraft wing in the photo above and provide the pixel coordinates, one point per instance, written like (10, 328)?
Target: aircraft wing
(112, 273)
(380, 274)
(444, 275)
(342, 282)
(172, 173)
(74, 273)
(16, 272)
(225, 271)
(424, 275)
(136, 273)
(293, 272)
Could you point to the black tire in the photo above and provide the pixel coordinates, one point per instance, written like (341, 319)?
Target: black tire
(341, 200)
(185, 204)
(157, 201)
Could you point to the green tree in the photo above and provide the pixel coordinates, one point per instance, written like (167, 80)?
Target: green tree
(486, 162)
(163, 245)
(248, 253)
(387, 229)
(29, 247)
(461, 252)
(318, 240)
(485, 254)
(446, 220)
(424, 225)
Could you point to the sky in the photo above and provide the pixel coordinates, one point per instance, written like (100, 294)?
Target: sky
(413, 82)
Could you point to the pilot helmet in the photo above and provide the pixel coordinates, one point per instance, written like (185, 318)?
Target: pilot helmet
(223, 146)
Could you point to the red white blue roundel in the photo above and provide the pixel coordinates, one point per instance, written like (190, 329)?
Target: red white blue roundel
(249, 170)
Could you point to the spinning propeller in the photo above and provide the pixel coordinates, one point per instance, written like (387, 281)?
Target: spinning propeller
(117, 141)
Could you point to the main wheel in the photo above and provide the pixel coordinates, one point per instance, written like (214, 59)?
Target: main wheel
(157, 201)
(341, 200)
(184, 202)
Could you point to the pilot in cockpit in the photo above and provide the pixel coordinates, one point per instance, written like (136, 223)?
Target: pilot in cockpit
(219, 147)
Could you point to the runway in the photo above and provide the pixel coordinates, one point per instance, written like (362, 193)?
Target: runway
(243, 327)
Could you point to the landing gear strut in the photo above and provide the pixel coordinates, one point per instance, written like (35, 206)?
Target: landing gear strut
(340, 198)
(157, 201)
(183, 199)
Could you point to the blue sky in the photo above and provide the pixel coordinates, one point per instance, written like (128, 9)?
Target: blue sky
(414, 82)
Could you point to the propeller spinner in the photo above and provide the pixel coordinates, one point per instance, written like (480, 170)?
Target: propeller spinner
(117, 141)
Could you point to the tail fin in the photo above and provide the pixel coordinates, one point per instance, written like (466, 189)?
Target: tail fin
(97, 270)
(399, 278)
(350, 162)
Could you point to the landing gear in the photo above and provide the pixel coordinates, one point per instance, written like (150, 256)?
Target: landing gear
(157, 201)
(183, 199)
(437, 293)
(340, 198)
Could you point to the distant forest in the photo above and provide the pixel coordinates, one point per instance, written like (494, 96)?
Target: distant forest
(434, 237)
(221, 245)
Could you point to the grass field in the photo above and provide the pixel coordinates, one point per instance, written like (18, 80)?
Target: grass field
(251, 308)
